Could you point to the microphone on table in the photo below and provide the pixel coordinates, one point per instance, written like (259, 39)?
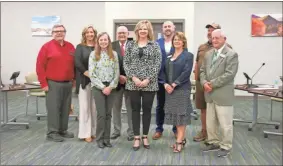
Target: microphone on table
(248, 78)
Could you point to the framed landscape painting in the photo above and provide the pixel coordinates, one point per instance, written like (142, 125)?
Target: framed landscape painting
(42, 25)
(266, 25)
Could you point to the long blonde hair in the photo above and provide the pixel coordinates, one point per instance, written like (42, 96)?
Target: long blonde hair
(148, 25)
(83, 40)
(98, 48)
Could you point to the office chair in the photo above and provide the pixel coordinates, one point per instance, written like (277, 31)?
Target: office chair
(32, 78)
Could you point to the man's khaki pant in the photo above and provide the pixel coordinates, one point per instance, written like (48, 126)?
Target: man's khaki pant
(219, 116)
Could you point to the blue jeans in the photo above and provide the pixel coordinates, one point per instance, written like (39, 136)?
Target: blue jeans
(160, 110)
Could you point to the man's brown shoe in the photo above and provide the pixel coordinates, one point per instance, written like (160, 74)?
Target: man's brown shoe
(201, 136)
(156, 136)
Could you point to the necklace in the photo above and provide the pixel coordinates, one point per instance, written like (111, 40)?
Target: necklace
(90, 48)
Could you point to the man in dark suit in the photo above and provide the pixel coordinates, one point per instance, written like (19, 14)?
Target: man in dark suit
(120, 46)
(165, 44)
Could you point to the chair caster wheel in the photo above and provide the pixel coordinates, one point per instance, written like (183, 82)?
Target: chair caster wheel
(250, 129)
(14, 120)
(196, 118)
(27, 127)
(38, 118)
(265, 135)
(276, 127)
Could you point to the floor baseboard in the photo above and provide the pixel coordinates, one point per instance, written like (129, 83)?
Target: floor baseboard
(251, 97)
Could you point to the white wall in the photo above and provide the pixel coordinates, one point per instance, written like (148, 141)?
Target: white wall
(152, 10)
(19, 49)
(235, 19)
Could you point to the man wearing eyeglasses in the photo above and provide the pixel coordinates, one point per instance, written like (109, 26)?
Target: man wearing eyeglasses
(120, 46)
(55, 71)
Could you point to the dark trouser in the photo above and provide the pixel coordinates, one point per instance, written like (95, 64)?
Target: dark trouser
(117, 106)
(160, 110)
(58, 101)
(145, 100)
(104, 105)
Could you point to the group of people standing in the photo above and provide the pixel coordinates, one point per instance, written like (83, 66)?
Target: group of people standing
(136, 69)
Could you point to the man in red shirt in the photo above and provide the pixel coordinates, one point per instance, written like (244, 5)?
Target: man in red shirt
(55, 71)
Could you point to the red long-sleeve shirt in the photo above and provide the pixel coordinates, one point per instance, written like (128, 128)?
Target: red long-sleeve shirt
(55, 62)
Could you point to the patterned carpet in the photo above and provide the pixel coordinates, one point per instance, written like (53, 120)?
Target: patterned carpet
(29, 147)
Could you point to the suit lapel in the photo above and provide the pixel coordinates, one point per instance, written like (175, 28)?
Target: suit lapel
(118, 48)
(162, 46)
(219, 59)
(209, 61)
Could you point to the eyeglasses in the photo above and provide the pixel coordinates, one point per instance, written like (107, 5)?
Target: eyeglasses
(59, 31)
(122, 33)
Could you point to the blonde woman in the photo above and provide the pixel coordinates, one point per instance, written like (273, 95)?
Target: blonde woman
(142, 65)
(104, 75)
(87, 121)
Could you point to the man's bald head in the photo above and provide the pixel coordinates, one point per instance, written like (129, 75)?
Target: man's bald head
(168, 23)
(122, 29)
(122, 33)
(168, 28)
(218, 32)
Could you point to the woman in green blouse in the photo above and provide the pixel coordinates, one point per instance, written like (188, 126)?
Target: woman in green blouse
(104, 75)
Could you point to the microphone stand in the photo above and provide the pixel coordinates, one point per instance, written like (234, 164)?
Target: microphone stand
(255, 86)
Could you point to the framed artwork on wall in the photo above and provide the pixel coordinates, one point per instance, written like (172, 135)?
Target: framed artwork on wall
(266, 25)
(42, 25)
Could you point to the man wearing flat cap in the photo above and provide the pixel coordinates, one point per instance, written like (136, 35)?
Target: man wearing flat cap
(200, 100)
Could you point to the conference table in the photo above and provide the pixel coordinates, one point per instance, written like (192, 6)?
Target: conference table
(263, 90)
(4, 104)
(270, 93)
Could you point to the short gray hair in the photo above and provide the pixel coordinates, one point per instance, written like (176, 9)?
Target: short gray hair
(57, 26)
(219, 31)
(122, 27)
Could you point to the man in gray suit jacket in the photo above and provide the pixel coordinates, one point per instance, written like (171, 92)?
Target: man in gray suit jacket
(217, 73)
(120, 46)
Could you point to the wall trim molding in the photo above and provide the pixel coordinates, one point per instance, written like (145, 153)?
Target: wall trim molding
(135, 21)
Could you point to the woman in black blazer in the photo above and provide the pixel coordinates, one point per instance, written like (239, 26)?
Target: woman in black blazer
(176, 81)
(87, 119)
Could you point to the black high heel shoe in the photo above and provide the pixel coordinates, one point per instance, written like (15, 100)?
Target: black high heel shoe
(184, 141)
(145, 146)
(137, 147)
(175, 149)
